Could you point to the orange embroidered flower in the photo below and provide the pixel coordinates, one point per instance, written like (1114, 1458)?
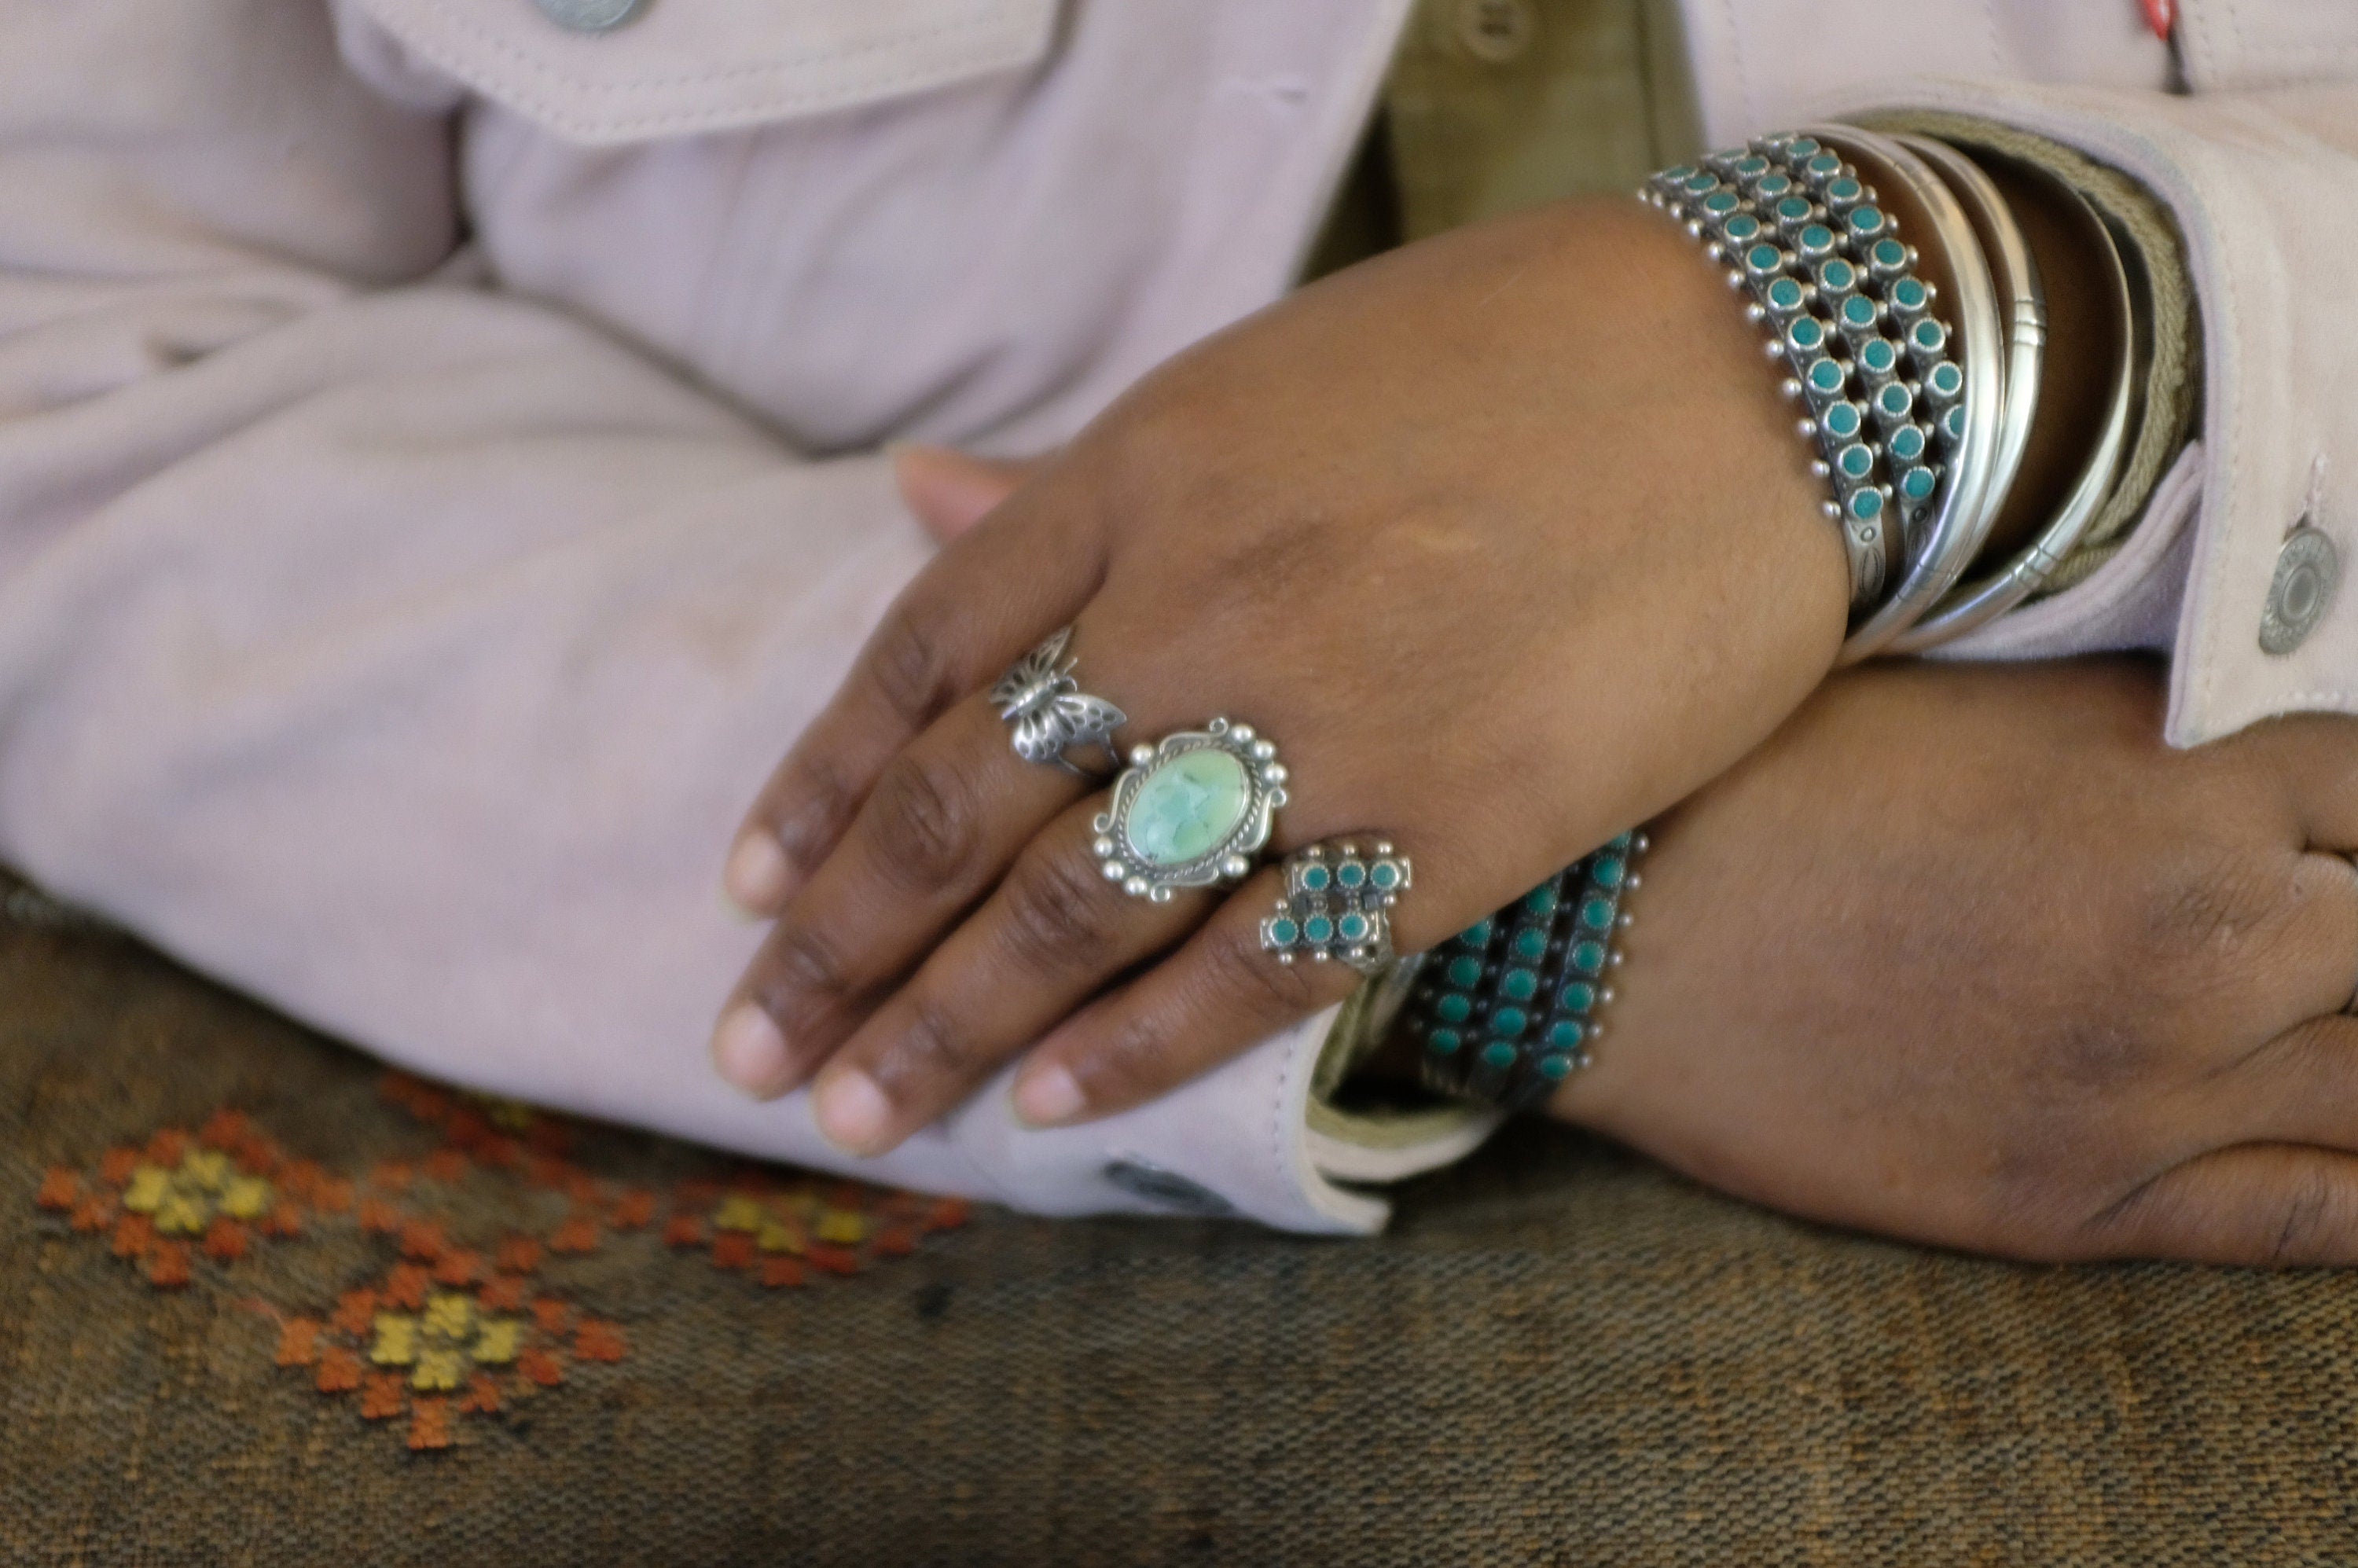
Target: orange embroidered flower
(382, 1396)
(430, 1425)
(732, 1250)
(116, 1167)
(778, 1271)
(459, 1267)
(379, 1217)
(598, 1340)
(59, 1189)
(576, 1236)
(406, 1286)
(134, 1235)
(519, 1254)
(634, 1208)
(339, 1371)
(482, 1395)
(422, 1240)
(446, 1165)
(502, 1292)
(550, 1316)
(541, 1367)
(355, 1309)
(298, 1342)
(168, 1266)
(684, 1230)
(224, 1239)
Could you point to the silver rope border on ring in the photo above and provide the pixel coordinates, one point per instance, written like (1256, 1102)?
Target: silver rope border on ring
(1230, 860)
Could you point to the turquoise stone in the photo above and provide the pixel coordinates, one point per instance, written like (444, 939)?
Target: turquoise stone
(1815, 240)
(1316, 878)
(1318, 928)
(1894, 401)
(1555, 1069)
(1837, 277)
(1518, 985)
(1562, 1034)
(1752, 167)
(1877, 355)
(1893, 254)
(1386, 876)
(1596, 914)
(1499, 1054)
(1764, 258)
(1588, 957)
(1507, 1021)
(1845, 190)
(1792, 210)
(1906, 443)
(1866, 506)
(1866, 220)
(1465, 973)
(1285, 933)
(1929, 335)
(1825, 165)
(1858, 311)
(1620, 845)
(1808, 334)
(1826, 377)
(1353, 927)
(1743, 228)
(1843, 421)
(1187, 806)
(1350, 874)
(1702, 183)
(1580, 996)
(1475, 935)
(1445, 1041)
(1785, 294)
(1946, 380)
(1807, 147)
(1953, 423)
(1540, 899)
(1530, 942)
(1720, 203)
(1453, 1008)
(1917, 484)
(1771, 186)
(1856, 461)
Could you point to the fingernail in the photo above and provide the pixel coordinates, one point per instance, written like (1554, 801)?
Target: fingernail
(757, 873)
(852, 1112)
(1047, 1097)
(748, 1051)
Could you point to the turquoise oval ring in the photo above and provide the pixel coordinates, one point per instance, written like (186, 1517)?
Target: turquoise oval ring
(1190, 811)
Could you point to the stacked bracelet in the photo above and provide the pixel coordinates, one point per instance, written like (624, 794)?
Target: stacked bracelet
(1510, 1007)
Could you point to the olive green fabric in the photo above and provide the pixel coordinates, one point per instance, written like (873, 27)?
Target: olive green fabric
(1558, 1355)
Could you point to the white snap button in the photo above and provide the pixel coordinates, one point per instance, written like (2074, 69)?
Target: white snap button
(588, 16)
(2309, 569)
(1498, 31)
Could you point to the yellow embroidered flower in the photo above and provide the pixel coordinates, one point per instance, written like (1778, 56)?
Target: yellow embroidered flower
(149, 1183)
(438, 1371)
(500, 1340)
(396, 1340)
(841, 1228)
(448, 1316)
(184, 1198)
(740, 1211)
(246, 1197)
(777, 1236)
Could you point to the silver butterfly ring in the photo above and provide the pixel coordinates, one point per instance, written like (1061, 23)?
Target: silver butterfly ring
(1049, 713)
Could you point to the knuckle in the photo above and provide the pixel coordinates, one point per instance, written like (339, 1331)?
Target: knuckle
(926, 825)
(1058, 915)
(2307, 1221)
(929, 1047)
(910, 663)
(803, 969)
(1244, 977)
(818, 802)
(2207, 918)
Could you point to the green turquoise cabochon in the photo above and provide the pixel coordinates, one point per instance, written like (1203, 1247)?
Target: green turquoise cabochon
(1187, 806)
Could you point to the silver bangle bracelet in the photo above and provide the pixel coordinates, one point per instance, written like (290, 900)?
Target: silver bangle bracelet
(1978, 604)
(1939, 547)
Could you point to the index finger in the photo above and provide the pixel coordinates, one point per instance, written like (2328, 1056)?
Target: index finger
(976, 608)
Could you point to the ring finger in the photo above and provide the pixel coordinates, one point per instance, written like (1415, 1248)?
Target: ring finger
(1052, 935)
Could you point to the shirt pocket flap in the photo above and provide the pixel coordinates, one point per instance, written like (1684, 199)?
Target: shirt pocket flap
(2227, 44)
(684, 67)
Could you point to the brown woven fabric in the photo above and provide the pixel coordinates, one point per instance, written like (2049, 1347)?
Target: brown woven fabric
(1560, 1355)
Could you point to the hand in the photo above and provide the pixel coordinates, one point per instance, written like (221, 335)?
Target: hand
(1506, 539)
(1970, 958)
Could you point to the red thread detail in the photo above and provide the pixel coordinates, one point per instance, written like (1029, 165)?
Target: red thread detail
(134, 1235)
(550, 1316)
(446, 1165)
(576, 1236)
(834, 1259)
(95, 1213)
(599, 1340)
(168, 1268)
(406, 1286)
(224, 1239)
(895, 1242)
(430, 1425)
(355, 1313)
(541, 1367)
(379, 1217)
(948, 1213)
(502, 1292)
(482, 1396)
(381, 1396)
(732, 1250)
(167, 1148)
(459, 1267)
(684, 1230)
(298, 1342)
(782, 1271)
(422, 1241)
(115, 1167)
(339, 1371)
(519, 1254)
(634, 1209)
(283, 1222)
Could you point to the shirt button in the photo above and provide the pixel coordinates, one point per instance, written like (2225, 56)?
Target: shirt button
(1498, 31)
(588, 16)
(2309, 569)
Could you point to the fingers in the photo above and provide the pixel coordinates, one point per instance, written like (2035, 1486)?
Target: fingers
(1214, 996)
(980, 604)
(950, 491)
(2269, 1205)
(2316, 756)
(944, 818)
(1054, 933)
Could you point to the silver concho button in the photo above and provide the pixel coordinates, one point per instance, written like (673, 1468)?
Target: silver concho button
(2309, 569)
(588, 16)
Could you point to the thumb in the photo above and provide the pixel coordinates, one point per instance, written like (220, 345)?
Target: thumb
(950, 491)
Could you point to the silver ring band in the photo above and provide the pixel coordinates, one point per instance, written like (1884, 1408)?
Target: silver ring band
(1048, 712)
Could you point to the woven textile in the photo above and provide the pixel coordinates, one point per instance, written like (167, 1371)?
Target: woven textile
(1560, 1355)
